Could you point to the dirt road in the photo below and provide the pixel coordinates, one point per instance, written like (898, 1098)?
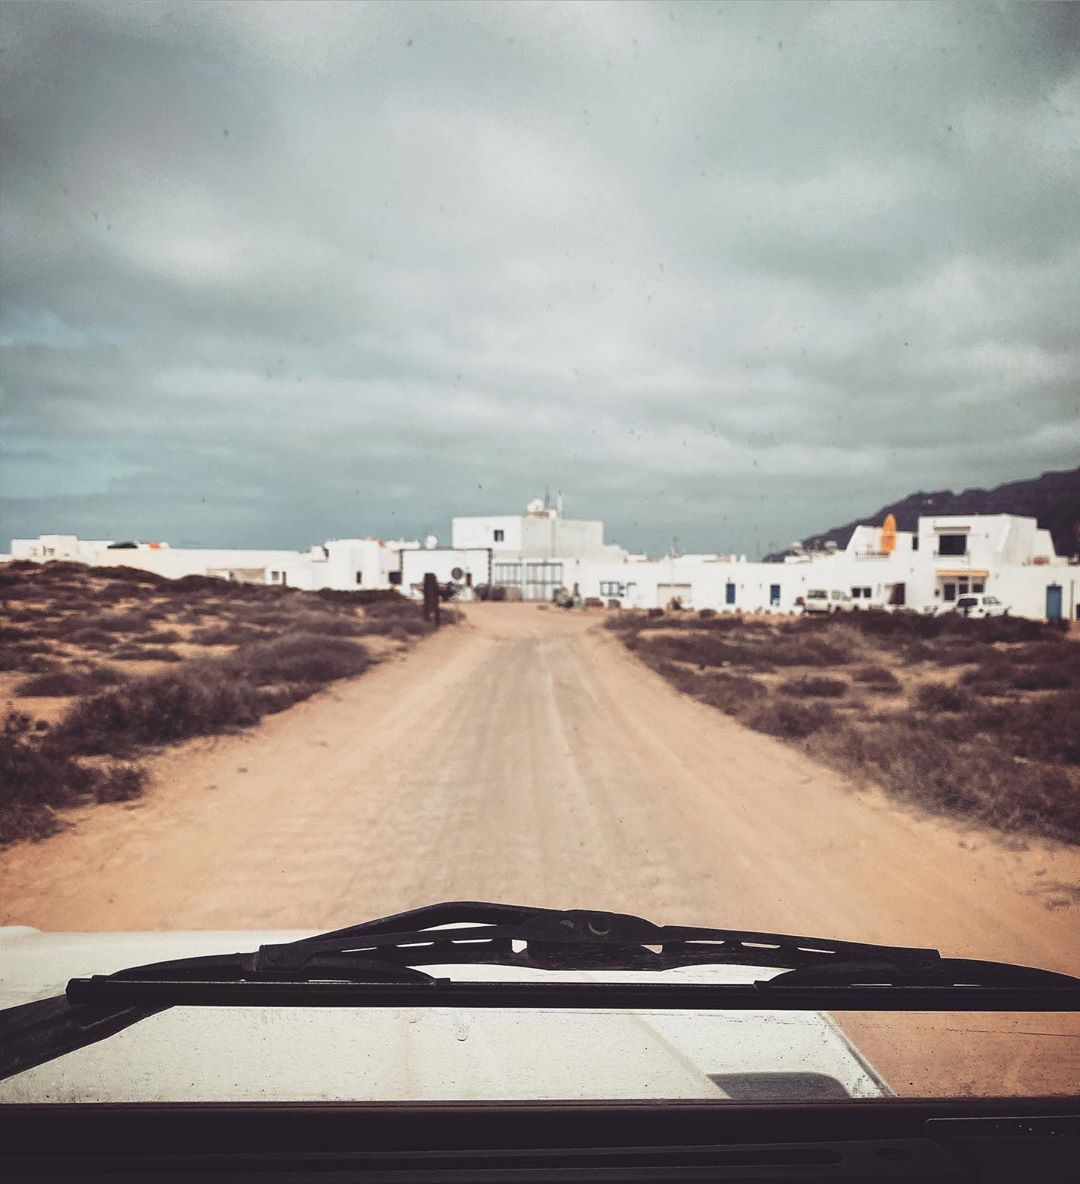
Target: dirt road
(525, 757)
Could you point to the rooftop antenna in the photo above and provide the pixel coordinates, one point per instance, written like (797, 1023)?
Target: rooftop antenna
(558, 503)
(547, 497)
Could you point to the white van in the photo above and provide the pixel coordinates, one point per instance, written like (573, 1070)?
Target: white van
(978, 605)
(820, 600)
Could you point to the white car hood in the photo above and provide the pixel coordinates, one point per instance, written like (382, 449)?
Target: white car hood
(213, 1054)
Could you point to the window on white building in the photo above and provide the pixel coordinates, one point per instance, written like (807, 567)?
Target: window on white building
(978, 585)
(952, 544)
(612, 588)
(359, 577)
(499, 536)
(275, 577)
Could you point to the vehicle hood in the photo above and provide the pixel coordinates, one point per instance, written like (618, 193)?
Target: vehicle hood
(416, 1054)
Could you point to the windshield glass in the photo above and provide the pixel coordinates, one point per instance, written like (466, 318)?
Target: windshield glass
(438, 440)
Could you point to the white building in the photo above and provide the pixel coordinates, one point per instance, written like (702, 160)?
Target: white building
(338, 563)
(925, 570)
(533, 554)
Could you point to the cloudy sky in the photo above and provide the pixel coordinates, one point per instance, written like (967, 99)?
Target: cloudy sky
(273, 274)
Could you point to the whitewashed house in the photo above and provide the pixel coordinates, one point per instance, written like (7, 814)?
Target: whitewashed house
(530, 555)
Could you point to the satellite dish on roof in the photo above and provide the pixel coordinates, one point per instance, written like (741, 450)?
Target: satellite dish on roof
(431, 542)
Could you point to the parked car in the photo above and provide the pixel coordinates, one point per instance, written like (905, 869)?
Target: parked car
(822, 600)
(978, 605)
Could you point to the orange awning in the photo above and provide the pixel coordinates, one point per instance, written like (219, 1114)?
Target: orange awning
(967, 573)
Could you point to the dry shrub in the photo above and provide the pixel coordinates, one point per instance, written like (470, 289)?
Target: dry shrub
(814, 687)
(93, 637)
(28, 659)
(226, 635)
(935, 696)
(208, 697)
(877, 678)
(130, 575)
(1044, 729)
(161, 709)
(705, 649)
(958, 652)
(330, 624)
(791, 720)
(37, 777)
(71, 681)
(145, 653)
(972, 780)
(307, 659)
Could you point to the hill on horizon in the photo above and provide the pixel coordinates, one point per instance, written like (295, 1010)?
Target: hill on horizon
(1053, 499)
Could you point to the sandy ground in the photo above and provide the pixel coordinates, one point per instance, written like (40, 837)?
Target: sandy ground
(524, 756)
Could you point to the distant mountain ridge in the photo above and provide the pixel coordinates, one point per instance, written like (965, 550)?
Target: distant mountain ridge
(1053, 499)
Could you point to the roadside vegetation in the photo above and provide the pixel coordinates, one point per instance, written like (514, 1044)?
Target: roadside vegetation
(979, 720)
(101, 666)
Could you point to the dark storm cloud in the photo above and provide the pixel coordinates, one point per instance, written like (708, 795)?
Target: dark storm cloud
(274, 273)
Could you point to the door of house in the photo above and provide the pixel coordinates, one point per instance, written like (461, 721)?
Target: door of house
(541, 580)
(1053, 602)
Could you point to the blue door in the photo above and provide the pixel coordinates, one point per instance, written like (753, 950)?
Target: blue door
(729, 594)
(1053, 602)
(774, 594)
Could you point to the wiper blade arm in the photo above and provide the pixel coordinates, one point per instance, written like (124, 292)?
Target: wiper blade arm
(473, 932)
(374, 965)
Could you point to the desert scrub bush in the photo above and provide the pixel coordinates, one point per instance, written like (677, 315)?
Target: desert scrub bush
(791, 720)
(37, 777)
(133, 621)
(798, 646)
(877, 678)
(226, 635)
(145, 653)
(936, 696)
(306, 659)
(206, 697)
(92, 637)
(407, 626)
(928, 768)
(161, 637)
(958, 652)
(330, 624)
(814, 687)
(705, 649)
(17, 659)
(733, 694)
(129, 575)
(69, 682)
(992, 676)
(160, 709)
(1042, 678)
(1044, 729)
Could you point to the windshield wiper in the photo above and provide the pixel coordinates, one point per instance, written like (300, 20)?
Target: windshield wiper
(375, 965)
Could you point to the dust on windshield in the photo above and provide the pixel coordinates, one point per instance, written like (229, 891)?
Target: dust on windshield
(591, 456)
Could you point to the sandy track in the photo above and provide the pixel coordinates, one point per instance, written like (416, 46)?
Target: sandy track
(525, 756)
